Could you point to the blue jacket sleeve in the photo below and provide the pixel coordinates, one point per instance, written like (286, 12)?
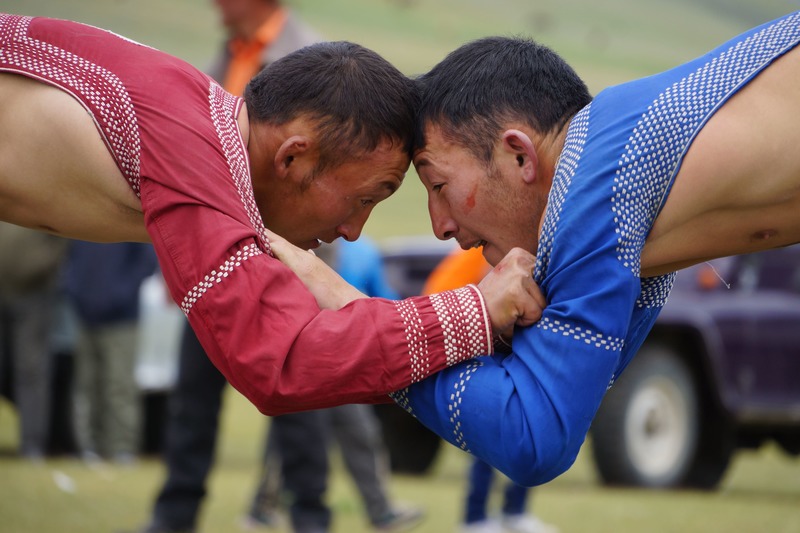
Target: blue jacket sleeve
(528, 413)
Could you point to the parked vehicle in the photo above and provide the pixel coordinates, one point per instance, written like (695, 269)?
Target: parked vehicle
(719, 372)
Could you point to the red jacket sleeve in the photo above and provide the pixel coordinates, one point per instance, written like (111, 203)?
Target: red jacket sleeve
(265, 333)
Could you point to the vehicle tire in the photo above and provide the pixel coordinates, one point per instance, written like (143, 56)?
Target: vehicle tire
(716, 444)
(647, 431)
(790, 441)
(412, 447)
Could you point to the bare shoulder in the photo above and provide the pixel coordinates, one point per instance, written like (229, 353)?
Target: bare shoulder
(56, 173)
(738, 189)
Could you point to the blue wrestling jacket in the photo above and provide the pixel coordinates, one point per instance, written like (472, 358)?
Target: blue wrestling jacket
(528, 413)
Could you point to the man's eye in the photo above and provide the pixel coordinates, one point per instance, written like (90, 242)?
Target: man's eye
(437, 187)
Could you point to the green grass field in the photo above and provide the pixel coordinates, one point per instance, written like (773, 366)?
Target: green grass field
(608, 42)
(760, 494)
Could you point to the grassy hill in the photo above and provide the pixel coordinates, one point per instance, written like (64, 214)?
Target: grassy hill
(607, 42)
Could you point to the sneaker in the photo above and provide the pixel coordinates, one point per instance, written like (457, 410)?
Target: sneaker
(482, 526)
(399, 520)
(526, 523)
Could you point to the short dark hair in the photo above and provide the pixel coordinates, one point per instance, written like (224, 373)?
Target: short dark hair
(478, 87)
(357, 98)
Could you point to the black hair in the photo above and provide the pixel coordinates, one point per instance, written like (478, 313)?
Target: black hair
(483, 84)
(356, 97)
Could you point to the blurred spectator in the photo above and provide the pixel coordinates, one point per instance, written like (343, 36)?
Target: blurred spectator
(258, 33)
(30, 263)
(513, 518)
(457, 269)
(102, 281)
(460, 268)
(355, 428)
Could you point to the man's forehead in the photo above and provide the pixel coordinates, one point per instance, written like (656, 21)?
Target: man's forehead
(436, 143)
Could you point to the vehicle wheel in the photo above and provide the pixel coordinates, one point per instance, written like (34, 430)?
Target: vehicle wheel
(646, 432)
(715, 447)
(790, 442)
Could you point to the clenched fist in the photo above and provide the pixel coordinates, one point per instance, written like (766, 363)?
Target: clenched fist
(512, 297)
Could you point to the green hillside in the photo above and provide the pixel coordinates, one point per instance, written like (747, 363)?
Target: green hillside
(607, 42)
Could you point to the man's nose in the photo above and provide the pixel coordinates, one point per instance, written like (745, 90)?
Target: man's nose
(350, 229)
(444, 227)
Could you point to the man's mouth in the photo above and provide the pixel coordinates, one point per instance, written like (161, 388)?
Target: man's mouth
(476, 244)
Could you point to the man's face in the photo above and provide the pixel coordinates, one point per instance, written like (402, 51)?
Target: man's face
(475, 205)
(233, 12)
(337, 202)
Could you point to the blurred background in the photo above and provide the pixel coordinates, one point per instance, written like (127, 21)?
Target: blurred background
(608, 43)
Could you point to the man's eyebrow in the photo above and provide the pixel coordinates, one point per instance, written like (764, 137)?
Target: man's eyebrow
(421, 162)
(390, 185)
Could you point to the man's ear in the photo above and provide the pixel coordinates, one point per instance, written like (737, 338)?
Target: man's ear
(288, 152)
(518, 144)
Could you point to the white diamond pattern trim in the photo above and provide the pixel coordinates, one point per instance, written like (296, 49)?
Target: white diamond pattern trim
(655, 291)
(587, 336)
(86, 82)
(456, 397)
(565, 171)
(215, 277)
(463, 324)
(223, 106)
(416, 340)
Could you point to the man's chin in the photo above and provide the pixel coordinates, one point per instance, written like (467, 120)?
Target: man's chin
(313, 245)
(492, 254)
(306, 244)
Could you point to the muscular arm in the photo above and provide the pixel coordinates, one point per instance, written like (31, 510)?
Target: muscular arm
(509, 293)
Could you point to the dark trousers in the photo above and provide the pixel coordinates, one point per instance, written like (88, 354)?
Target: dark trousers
(480, 482)
(191, 437)
(302, 447)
